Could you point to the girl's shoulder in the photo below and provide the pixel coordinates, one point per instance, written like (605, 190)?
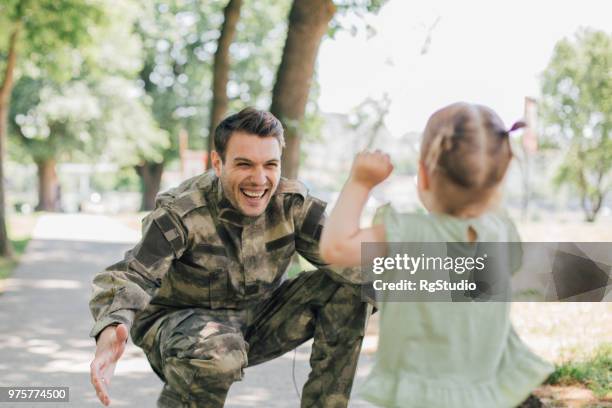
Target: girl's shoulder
(405, 226)
(497, 225)
(492, 226)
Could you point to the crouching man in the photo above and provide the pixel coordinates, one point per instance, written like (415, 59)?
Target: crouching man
(203, 292)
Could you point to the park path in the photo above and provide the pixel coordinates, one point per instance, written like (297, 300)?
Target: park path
(45, 320)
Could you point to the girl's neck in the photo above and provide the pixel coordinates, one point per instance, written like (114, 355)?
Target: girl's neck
(473, 211)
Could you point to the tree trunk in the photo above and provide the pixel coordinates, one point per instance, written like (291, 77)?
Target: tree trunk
(5, 99)
(221, 69)
(150, 174)
(591, 202)
(591, 205)
(308, 21)
(48, 186)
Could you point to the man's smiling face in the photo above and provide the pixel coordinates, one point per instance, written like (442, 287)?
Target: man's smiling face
(250, 172)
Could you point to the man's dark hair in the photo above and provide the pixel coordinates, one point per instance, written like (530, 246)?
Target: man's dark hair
(249, 120)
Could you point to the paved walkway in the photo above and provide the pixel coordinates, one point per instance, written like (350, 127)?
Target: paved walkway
(45, 322)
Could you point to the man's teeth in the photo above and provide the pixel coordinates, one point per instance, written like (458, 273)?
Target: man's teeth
(253, 194)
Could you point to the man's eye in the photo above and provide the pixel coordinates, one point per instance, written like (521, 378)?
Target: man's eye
(243, 164)
(274, 165)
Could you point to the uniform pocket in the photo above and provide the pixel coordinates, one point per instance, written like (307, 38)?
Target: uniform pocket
(280, 251)
(207, 266)
(188, 286)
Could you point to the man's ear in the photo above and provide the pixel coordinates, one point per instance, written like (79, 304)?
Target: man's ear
(217, 163)
(423, 177)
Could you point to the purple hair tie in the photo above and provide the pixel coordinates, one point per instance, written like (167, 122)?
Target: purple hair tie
(517, 125)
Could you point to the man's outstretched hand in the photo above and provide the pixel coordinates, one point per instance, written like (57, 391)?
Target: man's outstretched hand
(109, 349)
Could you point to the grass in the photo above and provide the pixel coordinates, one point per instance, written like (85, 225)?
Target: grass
(7, 265)
(594, 372)
(20, 228)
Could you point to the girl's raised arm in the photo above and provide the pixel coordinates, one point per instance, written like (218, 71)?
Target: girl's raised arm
(341, 239)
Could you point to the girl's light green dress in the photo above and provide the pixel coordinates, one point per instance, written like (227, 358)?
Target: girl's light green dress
(450, 355)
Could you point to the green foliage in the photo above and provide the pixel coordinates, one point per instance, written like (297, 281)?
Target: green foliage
(256, 52)
(577, 111)
(75, 120)
(115, 50)
(180, 39)
(125, 179)
(96, 113)
(351, 16)
(52, 119)
(77, 100)
(595, 372)
(126, 124)
(49, 28)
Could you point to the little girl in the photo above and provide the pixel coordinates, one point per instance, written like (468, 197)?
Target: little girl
(447, 355)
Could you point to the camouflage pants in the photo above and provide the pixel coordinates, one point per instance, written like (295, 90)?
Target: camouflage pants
(199, 353)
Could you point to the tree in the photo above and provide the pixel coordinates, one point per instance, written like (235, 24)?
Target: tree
(131, 132)
(180, 39)
(369, 118)
(84, 115)
(577, 104)
(51, 120)
(221, 68)
(309, 21)
(35, 29)
(77, 120)
(175, 76)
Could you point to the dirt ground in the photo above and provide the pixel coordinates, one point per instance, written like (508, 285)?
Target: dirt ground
(566, 229)
(570, 397)
(562, 332)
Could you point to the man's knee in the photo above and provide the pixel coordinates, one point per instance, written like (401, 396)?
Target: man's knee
(344, 315)
(207, 362)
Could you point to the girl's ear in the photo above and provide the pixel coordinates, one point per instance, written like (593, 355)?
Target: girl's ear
(423, 177)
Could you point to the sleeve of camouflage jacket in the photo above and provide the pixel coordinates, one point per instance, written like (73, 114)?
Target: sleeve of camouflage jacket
(127, 286)
(309, 219)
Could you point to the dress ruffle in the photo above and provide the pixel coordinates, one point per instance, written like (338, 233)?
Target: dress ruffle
(519, 372)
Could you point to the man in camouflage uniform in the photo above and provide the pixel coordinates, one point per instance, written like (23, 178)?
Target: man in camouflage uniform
(203, 292)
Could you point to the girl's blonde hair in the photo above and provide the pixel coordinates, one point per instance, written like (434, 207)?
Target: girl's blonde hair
(466, 152)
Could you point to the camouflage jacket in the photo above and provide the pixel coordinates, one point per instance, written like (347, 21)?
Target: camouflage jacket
(196, 250)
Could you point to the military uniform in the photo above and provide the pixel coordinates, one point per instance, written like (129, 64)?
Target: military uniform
(204, 295)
